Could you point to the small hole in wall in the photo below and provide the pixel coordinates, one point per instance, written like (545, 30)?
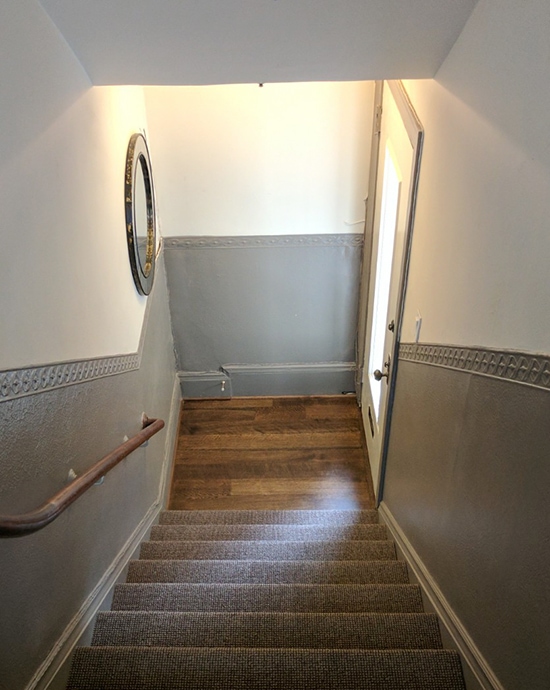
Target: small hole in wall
(371, 423)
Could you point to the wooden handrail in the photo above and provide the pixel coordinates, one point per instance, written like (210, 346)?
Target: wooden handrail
(19, 525)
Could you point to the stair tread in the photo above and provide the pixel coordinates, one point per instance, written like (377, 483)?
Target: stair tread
(277, 597)
(269, 550)
(144, 668)
(268, 533)
(266, 572)
(302, 517)
(307, 630)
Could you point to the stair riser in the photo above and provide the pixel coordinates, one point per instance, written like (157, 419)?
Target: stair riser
(112, 668)
(271, 630)
(269, 517)
(270, 572)
(269, 551)
(291, 598)
(267, 533)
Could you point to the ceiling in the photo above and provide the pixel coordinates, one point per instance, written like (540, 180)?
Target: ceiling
(242, 41)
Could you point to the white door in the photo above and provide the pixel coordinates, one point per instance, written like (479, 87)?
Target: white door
(397, 171)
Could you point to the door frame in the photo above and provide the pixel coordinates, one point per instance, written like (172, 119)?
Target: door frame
(415, 132)
(364, 279)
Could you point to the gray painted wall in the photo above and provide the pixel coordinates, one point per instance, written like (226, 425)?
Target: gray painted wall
(257, 302)
(47, 576)
(467, 481)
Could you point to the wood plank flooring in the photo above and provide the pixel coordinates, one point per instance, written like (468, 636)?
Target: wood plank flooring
(271, 453)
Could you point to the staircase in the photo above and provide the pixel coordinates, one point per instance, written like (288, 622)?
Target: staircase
(267, 600)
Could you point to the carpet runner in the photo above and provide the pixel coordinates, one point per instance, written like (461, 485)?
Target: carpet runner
(267, 600)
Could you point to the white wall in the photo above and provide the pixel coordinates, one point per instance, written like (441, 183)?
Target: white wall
(66, 289)
(481, 255)
(245, 160)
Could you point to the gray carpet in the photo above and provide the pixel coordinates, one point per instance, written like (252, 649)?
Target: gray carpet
(307, 630)
(246, 597)
(267, 533)
(270, 550)
(328, 518)
(140, 668)
(270, 572)
(266, 600)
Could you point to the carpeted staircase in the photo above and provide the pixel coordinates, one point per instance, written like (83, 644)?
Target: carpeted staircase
(267, 600)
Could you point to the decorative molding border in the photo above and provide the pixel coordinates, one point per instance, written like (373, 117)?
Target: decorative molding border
(508, 365)
(484, 675)
(261, 241)
(19, 383)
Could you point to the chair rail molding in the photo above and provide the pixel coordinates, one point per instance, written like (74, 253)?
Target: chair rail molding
(530, 369)
(238, 242)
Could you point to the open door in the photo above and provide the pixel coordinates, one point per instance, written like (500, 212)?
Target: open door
(399, 134)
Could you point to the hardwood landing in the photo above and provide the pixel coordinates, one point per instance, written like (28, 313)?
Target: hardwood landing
(271, 453)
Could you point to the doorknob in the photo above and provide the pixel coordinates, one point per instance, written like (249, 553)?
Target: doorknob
(378, 375)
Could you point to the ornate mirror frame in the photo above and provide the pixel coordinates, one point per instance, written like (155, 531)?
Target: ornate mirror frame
(141, 247)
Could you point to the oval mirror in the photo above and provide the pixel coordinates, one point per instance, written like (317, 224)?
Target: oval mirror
(141, 230)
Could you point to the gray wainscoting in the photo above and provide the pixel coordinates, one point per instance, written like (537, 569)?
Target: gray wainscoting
(467, 482)
(50, 576)
(267, 315)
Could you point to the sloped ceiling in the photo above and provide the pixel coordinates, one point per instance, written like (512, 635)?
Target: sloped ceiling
(243, 41)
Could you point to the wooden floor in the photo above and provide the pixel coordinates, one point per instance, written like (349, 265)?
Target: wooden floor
(271, 453)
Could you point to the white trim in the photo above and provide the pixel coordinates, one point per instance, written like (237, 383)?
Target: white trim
(63, 648)
(466, 647)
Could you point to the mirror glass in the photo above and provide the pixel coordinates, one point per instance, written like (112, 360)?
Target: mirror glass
(140, 214)
(141, 217)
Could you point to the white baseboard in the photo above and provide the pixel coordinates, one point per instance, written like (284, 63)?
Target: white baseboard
(478, 673)
(315, 378)
(46, 675)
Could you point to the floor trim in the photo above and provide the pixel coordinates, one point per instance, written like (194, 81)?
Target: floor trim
(244, 380)
(463, 643)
